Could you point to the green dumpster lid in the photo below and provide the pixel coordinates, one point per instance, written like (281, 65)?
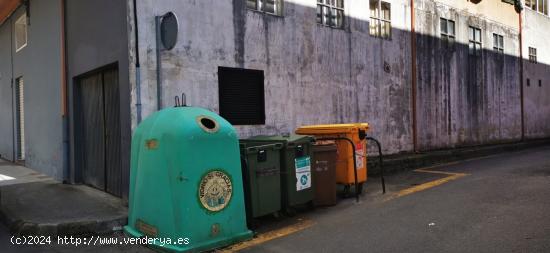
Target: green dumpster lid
(292, 138)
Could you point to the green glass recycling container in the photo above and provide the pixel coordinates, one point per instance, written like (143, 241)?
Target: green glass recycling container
(186, 181)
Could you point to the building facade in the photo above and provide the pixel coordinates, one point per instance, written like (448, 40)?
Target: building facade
(31, 58)
(64, 90)
(426, 74)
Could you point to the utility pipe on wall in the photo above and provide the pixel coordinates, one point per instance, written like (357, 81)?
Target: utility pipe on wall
(521, 74)
(413, 78)
(159, 64)
(64, 95)
(138, 70)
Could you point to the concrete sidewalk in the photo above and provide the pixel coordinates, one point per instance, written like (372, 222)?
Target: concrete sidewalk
(34, 204)
(410, 161)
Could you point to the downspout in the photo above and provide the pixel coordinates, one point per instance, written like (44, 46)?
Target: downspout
(138, 70)
(13, 105)
(159, 63)
(521, 74)
(64, 94)
(413, 78)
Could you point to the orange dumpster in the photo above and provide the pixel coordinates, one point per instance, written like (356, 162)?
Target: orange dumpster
(344, 164)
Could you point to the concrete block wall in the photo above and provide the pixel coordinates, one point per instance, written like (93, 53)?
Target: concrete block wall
(536, 98)
(313, 74)
(465, 100)
(316, 74)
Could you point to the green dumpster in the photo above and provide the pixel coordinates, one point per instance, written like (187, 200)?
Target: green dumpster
(186, 182)
(295, 168)
(262, 179)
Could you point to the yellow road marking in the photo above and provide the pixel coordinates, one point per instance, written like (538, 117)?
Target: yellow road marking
(451, 176)
(268, 236)
(425, 170)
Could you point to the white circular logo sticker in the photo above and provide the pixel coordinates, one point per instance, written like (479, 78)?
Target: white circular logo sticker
(215, 190)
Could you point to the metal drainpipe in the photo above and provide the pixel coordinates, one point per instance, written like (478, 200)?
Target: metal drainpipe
(64, 95)
(13, 118)
(413, 77)
(521, 75)
(138, 67)
(159, 64)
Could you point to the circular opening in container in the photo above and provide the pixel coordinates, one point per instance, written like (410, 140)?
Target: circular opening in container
(208, 124)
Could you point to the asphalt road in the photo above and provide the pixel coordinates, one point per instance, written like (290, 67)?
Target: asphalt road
(502, 205)
(496, 204)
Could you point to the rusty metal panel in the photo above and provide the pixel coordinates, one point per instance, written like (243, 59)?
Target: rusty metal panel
(92, 131)
(99, 131)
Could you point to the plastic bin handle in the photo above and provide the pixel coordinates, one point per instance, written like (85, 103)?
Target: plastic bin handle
(268, 171)
(255, 149)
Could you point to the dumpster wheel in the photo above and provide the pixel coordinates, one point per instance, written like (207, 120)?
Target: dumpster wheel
(346, 193)
(289, 212)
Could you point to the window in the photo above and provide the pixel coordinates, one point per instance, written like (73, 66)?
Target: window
(447, 28)
(540, 83)
(498, 43)
(241, 95)
(21, 32)
(474, 35)
(330, 13)
(20, 117)
(532, 54)
(268, 6)
(380, 19)
(528, 82)
(538, 5)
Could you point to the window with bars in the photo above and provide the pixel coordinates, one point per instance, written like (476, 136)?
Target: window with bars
(380, 19)
(498, 43)
(474, 38)
(532, 54)
(274, 7)
(330, 13)
(447, 28)
(21, 32)
(20, 117)
(538, 5)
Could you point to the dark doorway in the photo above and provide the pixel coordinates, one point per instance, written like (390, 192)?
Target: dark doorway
(97, 130)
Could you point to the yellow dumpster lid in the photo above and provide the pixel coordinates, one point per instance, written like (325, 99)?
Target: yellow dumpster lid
(332, 128)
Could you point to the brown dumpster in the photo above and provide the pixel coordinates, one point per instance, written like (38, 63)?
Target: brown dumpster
(324, 174)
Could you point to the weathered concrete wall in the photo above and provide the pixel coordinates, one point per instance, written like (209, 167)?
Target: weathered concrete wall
(39, 63)
(494, 10)
(93, 42)
(313, 74)
(464, 100)
(537, 98)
